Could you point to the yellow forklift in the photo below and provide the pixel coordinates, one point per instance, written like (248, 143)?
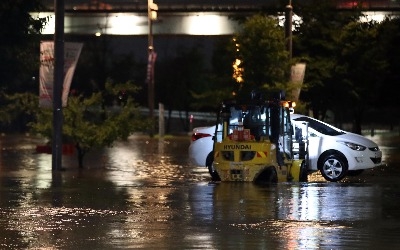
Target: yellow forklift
(253, 142)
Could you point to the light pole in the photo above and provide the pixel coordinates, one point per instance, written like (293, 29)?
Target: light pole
(58, 85)
(152, 16)
(288, 27)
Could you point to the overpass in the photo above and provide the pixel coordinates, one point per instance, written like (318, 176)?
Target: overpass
(209, 5)
(178, 17)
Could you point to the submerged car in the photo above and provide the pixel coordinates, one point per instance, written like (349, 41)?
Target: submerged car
(201, 146)
(332, 151)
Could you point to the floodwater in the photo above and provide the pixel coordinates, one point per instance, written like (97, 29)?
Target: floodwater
(144, 194)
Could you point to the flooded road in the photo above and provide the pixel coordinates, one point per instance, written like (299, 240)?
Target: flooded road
(144, 194)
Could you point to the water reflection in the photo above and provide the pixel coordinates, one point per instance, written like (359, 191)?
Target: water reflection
(296, 216)
(143, 194)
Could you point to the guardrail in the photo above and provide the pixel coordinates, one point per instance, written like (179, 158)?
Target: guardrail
(204, 116)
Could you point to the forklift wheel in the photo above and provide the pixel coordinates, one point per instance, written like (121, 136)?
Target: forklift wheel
(269, 175)
(213, 173)
(303, 172)
(211, 170)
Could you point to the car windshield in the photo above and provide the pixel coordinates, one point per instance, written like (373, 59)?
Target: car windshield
(319, 126)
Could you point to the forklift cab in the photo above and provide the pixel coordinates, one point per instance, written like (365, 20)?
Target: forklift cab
(261, 122)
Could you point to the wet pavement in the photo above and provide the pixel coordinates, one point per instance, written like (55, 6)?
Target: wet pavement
(144, 194)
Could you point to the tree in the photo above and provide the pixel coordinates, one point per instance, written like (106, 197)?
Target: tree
(17, 110)
(360, 66)
(315, 40)
(19, 44)
(389, 40)
(261, 48)
(88, 124)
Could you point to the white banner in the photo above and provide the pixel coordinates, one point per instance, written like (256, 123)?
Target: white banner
(46, 71)
(297, 77)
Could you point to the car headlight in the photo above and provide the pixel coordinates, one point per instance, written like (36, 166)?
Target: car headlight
(353, 146)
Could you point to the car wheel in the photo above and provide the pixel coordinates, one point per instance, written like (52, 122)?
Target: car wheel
(209, 162)
(334, 168)
(355, 172)
(303, 176)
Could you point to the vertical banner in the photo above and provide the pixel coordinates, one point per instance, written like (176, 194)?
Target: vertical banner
(46, 72)
(297, 78)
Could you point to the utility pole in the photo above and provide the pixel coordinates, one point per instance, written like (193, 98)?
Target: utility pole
(297, 70)
(288, 27)
(58, 84)
(152, 9)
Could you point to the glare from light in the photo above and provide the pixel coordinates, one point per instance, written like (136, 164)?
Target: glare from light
(237, 71)
(197, 23)
(373, 16)
(126, 24)
(49, 27)
(295, 19)
(204, 24)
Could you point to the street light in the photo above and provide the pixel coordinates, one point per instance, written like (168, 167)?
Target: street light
(152, 9)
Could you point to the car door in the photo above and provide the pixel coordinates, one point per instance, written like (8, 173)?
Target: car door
(313, 138)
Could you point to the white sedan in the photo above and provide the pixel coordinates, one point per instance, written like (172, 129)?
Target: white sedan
(333, 152)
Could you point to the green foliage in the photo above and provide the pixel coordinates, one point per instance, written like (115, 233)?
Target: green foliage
(89, 124)
(19, 44)
(316, 40)
(17, 108)
(389, 40)
(261, 48)
(265, 63)
(264, 60)
(361, 61)
(360, 67)
(347, 58)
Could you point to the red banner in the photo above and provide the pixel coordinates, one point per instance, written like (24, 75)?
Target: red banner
(150, 66)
